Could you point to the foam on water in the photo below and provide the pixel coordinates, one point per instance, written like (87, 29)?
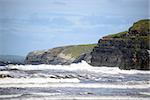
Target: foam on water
(71, 78)
(4, 72)
(35, 80)
(10, 96)
(74, 85)
(78, 67)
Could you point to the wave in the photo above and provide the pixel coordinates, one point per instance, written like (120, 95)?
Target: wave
(75, 85)
(36, 80)
(75, 80)
(10, 96)
(83, 66)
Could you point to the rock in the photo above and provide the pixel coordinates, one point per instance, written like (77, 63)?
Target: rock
(86, 57)
(60, 55)
(80, 58)
(46, 57)
(124, 51)
(106, 56)
(5, 75)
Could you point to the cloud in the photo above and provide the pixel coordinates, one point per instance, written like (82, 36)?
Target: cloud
(25, 23)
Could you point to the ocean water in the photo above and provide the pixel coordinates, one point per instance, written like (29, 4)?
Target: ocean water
(75, 81)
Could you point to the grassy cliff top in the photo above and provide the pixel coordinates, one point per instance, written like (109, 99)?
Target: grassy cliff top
(117, 35)
(139, 32)
(140, 28)
(76, 50)
(142, 25)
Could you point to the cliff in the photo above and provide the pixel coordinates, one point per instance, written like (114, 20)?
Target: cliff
(61, 55)
(126, 50)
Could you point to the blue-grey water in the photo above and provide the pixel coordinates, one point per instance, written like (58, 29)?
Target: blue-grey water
(76, 81)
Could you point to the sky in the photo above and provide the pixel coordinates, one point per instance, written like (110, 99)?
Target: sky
(27, 25)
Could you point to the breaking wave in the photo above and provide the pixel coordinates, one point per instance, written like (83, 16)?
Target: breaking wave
(75, 80)
(77, 67)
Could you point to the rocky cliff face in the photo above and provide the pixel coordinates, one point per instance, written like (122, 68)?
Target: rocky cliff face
(60, 55)
(126, 50)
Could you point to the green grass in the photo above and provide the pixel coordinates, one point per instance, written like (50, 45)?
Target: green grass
(142, 26)
(77, 50)
(117, 35)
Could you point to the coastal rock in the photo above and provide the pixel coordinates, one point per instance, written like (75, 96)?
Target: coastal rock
(61, 55)
(126, 50)
(5, 76)
(86, 57)
(105, 54)
(51, 56)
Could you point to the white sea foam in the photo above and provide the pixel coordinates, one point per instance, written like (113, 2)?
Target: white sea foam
(73, 77)
(45, 94)
(10, 96)
(75, 85)
(3, 67)
(145, 93)
(4, 72)
(35, 80)
(78, 67)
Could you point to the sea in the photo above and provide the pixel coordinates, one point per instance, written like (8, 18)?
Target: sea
(72, 82)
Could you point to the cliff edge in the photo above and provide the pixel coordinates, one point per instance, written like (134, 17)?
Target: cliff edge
(126, 50)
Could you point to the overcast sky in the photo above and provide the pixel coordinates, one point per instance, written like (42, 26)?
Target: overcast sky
(27, 25)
